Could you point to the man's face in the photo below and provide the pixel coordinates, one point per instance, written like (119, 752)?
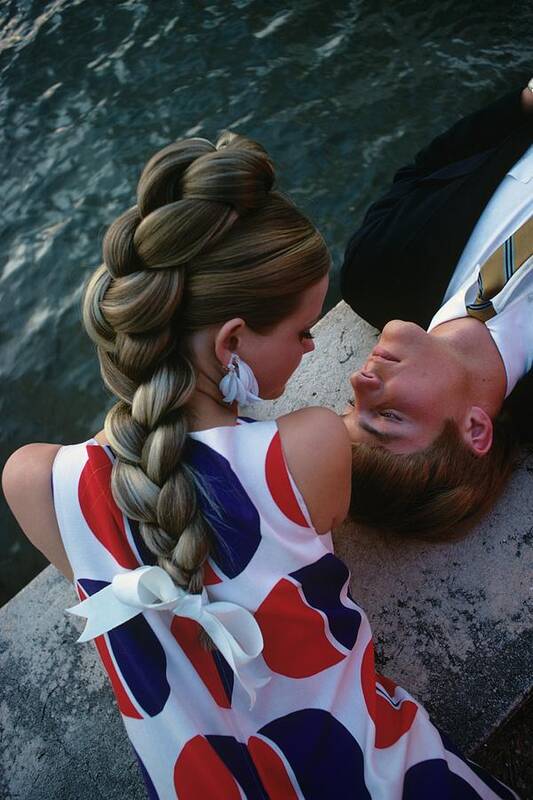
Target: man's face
(409, 385)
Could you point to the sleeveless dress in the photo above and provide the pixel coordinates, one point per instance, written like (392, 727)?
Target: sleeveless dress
(326, 725)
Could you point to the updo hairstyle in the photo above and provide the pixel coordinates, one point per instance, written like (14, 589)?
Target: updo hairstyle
(207, 241)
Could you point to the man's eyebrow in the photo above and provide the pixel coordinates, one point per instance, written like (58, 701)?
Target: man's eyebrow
(385, 438)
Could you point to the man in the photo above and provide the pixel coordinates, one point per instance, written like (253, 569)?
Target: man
(449, 246)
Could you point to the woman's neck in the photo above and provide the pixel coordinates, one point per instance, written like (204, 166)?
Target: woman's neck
(206, 409)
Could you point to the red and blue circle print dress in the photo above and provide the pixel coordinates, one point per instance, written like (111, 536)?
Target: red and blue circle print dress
(325, 725)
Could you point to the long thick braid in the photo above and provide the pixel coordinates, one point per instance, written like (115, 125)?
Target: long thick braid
(132, 312)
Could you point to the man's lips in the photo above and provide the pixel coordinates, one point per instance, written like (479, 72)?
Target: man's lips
(380, 352)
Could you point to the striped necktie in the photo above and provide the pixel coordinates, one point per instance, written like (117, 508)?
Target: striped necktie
(500, 268)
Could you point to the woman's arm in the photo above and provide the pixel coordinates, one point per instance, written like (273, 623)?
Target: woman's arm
(318, 454)
(27, 486)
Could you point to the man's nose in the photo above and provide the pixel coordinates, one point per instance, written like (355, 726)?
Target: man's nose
(364, 380)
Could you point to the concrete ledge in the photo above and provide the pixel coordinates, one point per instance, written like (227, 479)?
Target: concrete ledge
(61, 736)
(452, 624)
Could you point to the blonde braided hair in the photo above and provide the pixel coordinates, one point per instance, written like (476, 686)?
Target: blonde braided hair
(207, 241)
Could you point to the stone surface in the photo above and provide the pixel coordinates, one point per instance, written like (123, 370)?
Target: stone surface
(452, 624)
(61, 736)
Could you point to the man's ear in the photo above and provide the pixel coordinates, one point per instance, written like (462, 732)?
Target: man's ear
(477, 431)
(228, 338)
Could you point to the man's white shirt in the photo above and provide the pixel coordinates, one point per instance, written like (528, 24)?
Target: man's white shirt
(512, 328)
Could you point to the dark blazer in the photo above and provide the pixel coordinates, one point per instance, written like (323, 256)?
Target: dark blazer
(399, 262)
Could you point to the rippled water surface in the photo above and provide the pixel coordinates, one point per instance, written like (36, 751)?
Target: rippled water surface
(339, 92)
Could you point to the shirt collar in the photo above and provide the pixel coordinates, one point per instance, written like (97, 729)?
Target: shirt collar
(523, 169)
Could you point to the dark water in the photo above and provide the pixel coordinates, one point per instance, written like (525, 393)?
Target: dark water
(339, 92)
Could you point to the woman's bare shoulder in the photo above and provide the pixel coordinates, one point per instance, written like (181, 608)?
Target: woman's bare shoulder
(27, 486)
(318, 454)
(315, 426)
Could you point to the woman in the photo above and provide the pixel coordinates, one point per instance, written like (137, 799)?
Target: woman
(199, 541)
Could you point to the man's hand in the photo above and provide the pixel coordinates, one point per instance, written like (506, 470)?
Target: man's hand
(527, 98)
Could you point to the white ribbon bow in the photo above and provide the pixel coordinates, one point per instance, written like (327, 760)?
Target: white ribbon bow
(232, 628)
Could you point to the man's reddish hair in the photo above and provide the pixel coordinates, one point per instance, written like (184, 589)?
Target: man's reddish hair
(436, 493)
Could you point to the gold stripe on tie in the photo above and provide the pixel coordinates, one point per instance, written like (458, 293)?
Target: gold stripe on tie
(499, 268)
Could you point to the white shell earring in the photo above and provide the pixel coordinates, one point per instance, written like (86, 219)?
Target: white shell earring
(239, 384)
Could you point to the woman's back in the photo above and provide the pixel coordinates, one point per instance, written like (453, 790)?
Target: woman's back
(267, 557)
(323, 724)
